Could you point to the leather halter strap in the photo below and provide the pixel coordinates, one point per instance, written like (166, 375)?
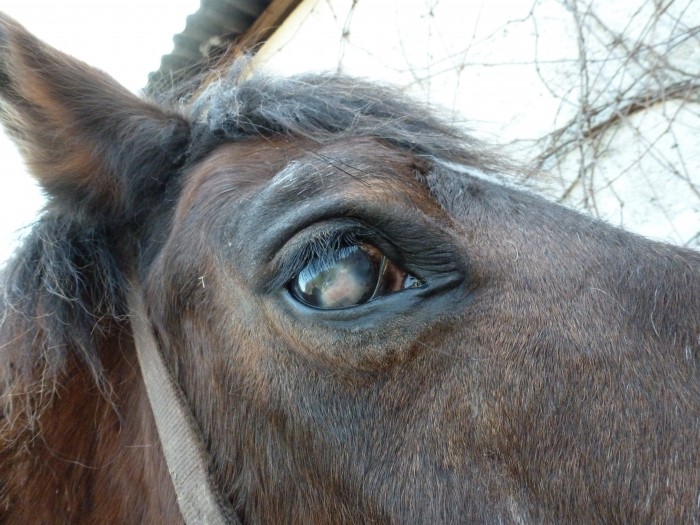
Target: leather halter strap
(180, 436)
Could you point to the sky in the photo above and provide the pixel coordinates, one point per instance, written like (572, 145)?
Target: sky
(125, 38)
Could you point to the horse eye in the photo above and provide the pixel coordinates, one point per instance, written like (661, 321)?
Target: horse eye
(349, 276)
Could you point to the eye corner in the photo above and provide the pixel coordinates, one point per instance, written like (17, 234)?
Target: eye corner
(414, 282)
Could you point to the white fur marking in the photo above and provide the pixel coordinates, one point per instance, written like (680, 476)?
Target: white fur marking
(283, 178)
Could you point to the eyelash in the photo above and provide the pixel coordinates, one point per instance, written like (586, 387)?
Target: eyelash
(316, 248)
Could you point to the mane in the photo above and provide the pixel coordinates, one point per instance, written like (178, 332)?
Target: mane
(59, 290)
(238, 105)
(64, 285)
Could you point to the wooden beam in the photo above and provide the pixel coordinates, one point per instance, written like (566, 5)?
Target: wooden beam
(262, 29)
(267, 23)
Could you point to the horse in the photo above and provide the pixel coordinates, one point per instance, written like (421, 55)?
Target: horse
(364, 317)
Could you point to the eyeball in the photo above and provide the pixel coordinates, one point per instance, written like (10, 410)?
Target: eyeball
(349, 276)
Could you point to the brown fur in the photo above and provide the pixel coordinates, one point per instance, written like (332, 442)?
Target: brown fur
(88, 459)
(548, 372)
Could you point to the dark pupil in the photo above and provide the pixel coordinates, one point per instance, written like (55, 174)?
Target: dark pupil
(346, 277)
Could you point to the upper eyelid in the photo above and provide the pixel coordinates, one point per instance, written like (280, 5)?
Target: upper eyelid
(324, 257)
(293, 259)
(319, 246)
(421, 257)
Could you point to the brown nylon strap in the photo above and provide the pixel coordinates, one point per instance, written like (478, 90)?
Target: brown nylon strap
(200, 503)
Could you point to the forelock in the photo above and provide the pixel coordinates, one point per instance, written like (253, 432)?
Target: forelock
(239, 104)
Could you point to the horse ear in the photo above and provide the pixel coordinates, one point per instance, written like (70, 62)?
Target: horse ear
(94, 147)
